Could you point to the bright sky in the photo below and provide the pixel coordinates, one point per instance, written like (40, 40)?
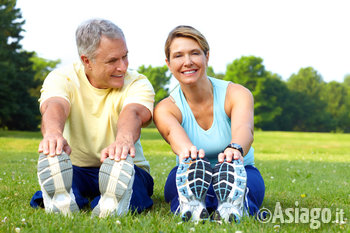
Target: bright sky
(286, 34)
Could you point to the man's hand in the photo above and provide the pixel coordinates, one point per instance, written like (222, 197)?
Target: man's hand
(54, 144)
(55, 111)
(131, 119)
(230, 154)
(119, 149)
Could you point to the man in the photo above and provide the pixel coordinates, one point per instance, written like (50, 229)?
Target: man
(94, 111)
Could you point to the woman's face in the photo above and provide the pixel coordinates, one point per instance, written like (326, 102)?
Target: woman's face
(187, 60)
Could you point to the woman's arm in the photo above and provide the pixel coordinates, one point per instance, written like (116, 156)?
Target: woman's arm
(168, 118)
(239, 106)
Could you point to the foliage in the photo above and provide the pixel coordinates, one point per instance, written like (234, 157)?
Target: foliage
(304, 102)
(266, 87)
(42, 68)
(309, 110)
(308, 168)
(211, 73)
(18, 110)
(159, 78)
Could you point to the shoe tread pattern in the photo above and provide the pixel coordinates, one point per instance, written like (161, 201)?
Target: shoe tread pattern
(227, 177)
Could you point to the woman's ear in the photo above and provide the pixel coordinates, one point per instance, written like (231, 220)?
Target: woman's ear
(207, 57)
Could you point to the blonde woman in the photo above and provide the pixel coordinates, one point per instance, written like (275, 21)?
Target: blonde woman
(209, 125)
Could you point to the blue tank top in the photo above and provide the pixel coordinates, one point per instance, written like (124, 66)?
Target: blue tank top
(218, 136)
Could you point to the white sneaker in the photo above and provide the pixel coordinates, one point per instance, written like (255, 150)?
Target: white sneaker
(193, 178)
(229, 183)
(55, 175)
(115, 183)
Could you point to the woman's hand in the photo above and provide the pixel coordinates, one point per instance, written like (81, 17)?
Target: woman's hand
(230, 154)
(193, 152)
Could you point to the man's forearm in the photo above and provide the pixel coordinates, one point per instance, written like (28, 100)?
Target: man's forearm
(129, 126)
(53, 120)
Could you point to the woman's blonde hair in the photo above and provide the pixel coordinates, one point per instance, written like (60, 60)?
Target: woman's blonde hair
(188, 32)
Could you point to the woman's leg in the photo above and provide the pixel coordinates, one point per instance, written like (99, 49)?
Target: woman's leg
(170, 191)
(255, 189)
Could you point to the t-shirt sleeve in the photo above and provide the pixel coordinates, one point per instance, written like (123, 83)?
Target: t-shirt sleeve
(55, 85)
(141, 92)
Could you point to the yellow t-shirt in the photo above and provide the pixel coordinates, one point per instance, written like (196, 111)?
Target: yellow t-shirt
(92, 123)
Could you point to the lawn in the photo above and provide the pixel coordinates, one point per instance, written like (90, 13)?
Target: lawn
(306, 174)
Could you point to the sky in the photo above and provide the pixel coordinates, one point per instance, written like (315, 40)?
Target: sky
(286, 34)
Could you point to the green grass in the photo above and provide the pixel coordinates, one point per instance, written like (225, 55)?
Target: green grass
(310, 169)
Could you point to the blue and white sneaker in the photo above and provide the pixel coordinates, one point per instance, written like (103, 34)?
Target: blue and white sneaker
(115, 183)
(55, 176)
(229, 183)
(193, 178)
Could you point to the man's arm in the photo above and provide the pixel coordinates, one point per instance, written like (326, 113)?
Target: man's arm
(132, 117)
(54, 111)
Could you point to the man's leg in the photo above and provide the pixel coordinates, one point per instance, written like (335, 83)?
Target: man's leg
(115, 183)
(55, 176)
(85, 184)
(142, 190)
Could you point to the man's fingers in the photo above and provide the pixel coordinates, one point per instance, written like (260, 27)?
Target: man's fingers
(67, 149)
(125, 152)
(59, 147)
(45, 145)
(52, 148)
(118, 152)
(132, 152)
(111, 152)
(104, 154)
(40, 149)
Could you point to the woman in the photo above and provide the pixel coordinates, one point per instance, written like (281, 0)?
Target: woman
(209, 125)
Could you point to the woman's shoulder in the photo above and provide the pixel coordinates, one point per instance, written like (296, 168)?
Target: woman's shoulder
(235, 89)
(167, 107)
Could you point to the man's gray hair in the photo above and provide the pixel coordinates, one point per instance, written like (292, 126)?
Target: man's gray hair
(89, 33)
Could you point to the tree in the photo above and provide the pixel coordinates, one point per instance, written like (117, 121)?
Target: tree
(18, 110)
(266, 87)
(159, 78)
(347, 80)
(42, 68)
(309, 110)
(247, 71)
(211, 73)
(336, 96)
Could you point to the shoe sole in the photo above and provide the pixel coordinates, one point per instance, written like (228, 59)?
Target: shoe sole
(55, 175)
(115, 178)
(193, 178)
(229, 183)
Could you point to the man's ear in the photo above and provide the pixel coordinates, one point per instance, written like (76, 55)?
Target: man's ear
(86, 61)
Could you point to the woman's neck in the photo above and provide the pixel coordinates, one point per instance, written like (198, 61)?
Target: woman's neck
(199, 92)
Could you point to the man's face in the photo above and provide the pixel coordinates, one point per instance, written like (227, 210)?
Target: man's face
(108, 68)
